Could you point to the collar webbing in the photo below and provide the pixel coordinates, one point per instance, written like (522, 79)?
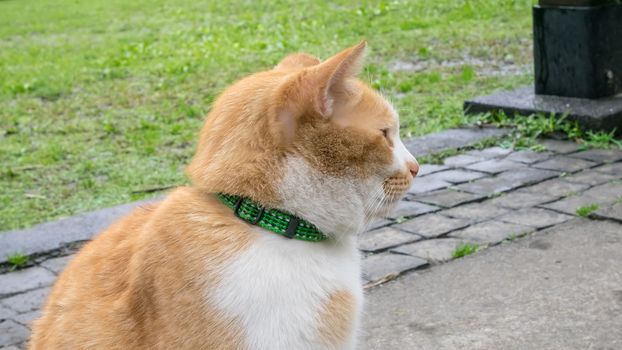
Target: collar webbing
(274, 220)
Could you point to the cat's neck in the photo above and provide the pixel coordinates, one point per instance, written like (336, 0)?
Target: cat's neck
(335, 205)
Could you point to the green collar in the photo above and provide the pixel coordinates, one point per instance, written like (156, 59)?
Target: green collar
(274, 220)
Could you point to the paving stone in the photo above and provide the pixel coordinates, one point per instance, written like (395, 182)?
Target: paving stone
(410, 209)
(599, 155)
(427, 184)
(491, 232)
(562, 147)
(591, 177)
(27, 318)
(461, 160)
(381, 239)
(491, 152)
(536, 217)
(427, 169)
(12, 333)
(494, 166)
(31, 278)
(611, 169)
(476, 212)
(457, 176)
(26, 302)
(5, 313)
(560, 187)
(565, 164)
(449, 198)
(613, 212)
(451, 139)
(507, 181)
(432, 250)
(601, 195)
(377, 267)
(432, 225)
(379, 223)
(517, 200)
(57, 265)
(528, 157)
(12, 347)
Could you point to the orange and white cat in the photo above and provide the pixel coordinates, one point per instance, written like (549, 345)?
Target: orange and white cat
(307, 138)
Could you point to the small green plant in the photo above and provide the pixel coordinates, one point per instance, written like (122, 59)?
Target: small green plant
(400, 219)
(586, 210)
(17, 260)
(512, 237)
(465, 249)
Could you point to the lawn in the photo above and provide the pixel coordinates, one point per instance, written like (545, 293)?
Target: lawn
(102, 99)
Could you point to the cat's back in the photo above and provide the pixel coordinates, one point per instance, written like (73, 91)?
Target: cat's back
(116, 293)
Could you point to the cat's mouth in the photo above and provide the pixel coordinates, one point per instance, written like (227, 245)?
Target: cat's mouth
(396, 186)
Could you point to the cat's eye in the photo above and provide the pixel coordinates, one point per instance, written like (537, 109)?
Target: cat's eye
(385, 133)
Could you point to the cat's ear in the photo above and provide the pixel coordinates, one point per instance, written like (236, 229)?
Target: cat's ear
(328, 79)
(298, 61)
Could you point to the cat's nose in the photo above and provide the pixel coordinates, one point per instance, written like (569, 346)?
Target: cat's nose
(413, 166)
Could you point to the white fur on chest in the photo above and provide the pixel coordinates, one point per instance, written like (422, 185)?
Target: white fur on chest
(277, 288)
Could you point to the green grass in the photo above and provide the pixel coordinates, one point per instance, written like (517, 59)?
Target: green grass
(17, 260)
(100, 99)
(465, 249)
(586, 210)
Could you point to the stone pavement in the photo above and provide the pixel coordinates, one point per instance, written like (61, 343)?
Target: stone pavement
(559, 289)
(482, 198)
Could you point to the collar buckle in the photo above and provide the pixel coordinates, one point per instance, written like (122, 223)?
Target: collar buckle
(258, 217)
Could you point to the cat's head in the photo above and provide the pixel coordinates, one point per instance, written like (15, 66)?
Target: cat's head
(310, 138)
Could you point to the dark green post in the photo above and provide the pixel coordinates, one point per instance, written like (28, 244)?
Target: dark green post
(578, 48)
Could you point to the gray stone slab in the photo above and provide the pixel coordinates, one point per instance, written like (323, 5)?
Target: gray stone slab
(494, 166)
(26, 302)
(599, 155)
(379, 266)
(518, 200)
(427, 169)
(491, 152)
(384, 238)
(12, 347)
(379, 223)
(559, 289)
(561, 187)
(57, 265)
(613, 212)
(22, 280)
(536, 217)
(411, 209)
(597, 114)
(461, 160)
(427, 184)
(612, 169)
(565, 164)
(6, 313)
(507, 181)
(528, 157)
(457, 176)
(601, 195)
(449, 198)
(432, 225)
(561, 147)
(432, 250)
(476, 212)
(53, 235)
(27, 318)
(590, 177)
(12, 333)
(491, 232)
(451, 139)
